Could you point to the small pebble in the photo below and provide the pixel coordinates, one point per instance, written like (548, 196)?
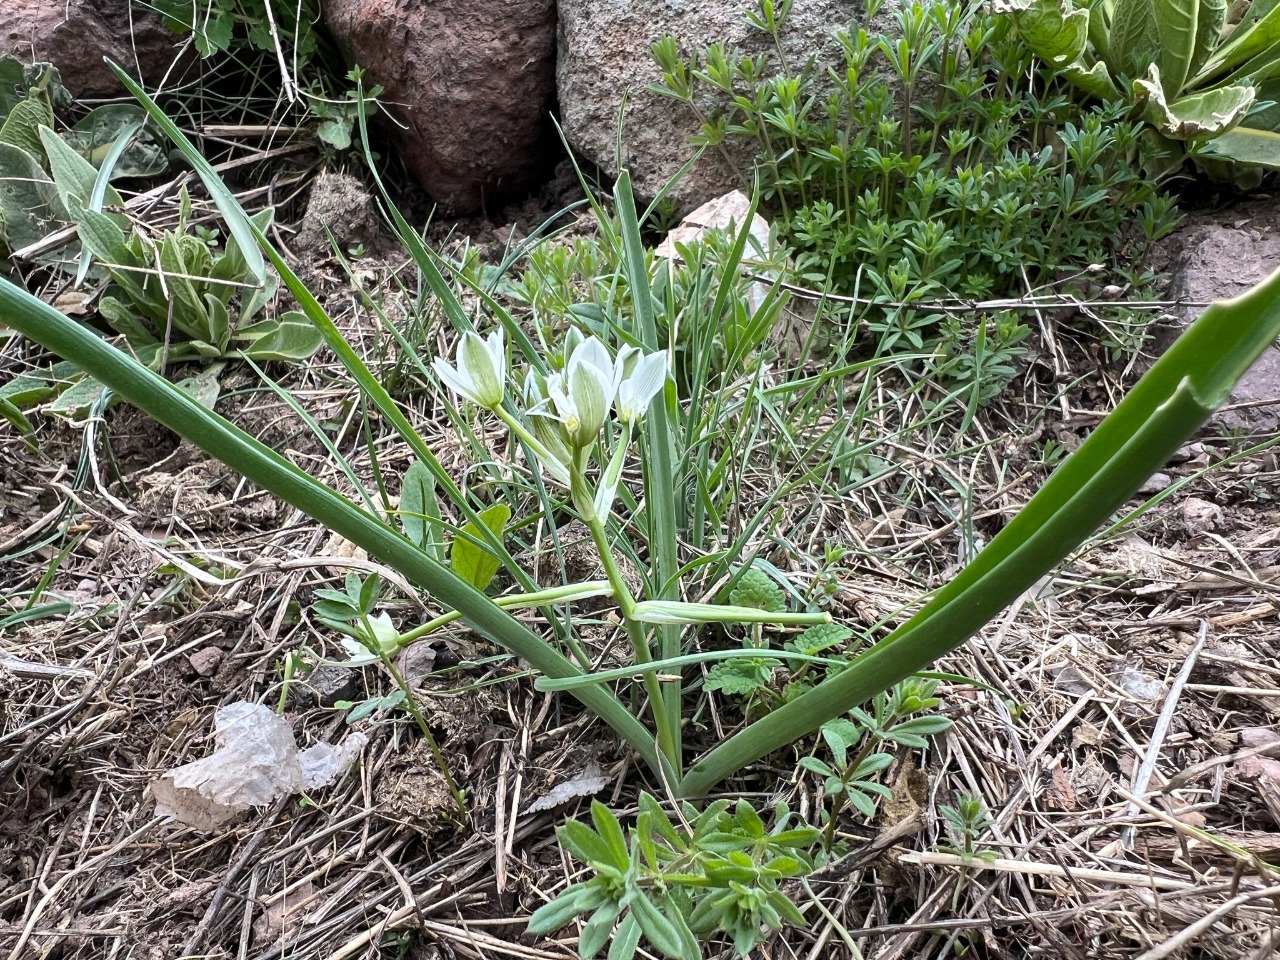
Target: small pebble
(205, 662)
(1155, 483)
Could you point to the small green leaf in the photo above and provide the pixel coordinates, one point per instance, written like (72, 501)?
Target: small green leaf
(626, 939)
(596, 931)
(658, 929)
(420, 510)
(755, 588)
(584, 843)
(472, 562)
(611, 832)
(291, 337)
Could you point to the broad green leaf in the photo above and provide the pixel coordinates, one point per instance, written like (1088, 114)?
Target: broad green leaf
(1200, 115)
(291, 337)
(1246, 42)
(27, 390)
(124, 321)
(75, 401)
(1212, 17)
(73, 175)
(219, 322)
(1055, 30)
(472, 562)
(420, 510)
(204, 387)
(1246, 145)
(1177, 23)
(102, 237)
(1095, 80)
(117, 126)
(1135, 37)
(29, 206)
(22, 127)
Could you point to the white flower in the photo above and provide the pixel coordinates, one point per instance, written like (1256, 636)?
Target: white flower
(481, 371)
(641, 385)
(583, 393)
(385, 635)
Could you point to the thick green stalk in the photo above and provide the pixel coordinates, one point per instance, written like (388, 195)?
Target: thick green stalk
(1164, 409)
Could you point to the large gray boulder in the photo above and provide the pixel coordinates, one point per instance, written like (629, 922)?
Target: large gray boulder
(469, 83)
(75, 36)
(604, 54)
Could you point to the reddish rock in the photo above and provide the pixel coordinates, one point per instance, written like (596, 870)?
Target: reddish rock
(470, 85)
(74, 35)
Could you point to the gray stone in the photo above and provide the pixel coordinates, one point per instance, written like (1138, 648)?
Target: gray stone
(1219, 255)
(604, 54)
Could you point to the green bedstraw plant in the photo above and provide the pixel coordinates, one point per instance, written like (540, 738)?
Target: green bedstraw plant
(1171, 401)
(927, 163)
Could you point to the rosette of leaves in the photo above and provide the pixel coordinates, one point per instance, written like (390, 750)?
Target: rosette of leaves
(31, 203)
(1200, 79)
(180, 291)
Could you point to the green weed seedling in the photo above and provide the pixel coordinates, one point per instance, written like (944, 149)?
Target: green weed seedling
(967, 820)
(675, 884)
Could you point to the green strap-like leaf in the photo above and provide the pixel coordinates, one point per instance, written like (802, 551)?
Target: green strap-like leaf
(1176, 396)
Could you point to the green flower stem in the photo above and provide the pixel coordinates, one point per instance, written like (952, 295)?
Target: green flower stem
(666, 719)
(411, 703)
(677, 612)
(516, 601)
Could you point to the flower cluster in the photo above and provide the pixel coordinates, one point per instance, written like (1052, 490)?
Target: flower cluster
(568, 407)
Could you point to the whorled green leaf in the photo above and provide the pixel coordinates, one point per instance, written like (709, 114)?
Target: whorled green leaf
(472, 562)
(1197, 116)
